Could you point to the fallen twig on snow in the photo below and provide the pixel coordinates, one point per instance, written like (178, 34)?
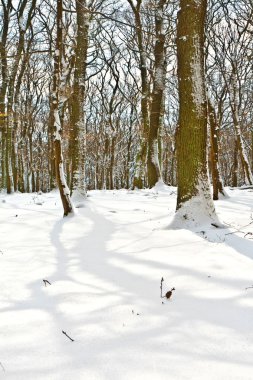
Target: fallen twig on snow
(161, 287)
(239, 230)
(64, 332)
(46, 282)
(248, 233)
(249, 287)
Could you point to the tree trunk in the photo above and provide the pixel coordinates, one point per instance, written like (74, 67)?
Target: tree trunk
(141, 159)
(235, 165)
(59, 167)
(194, 197)
(234, 104)
(77, 121)
(214, 131)
(156, 114)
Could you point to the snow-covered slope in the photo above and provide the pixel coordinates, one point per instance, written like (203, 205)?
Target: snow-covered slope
(105, 265)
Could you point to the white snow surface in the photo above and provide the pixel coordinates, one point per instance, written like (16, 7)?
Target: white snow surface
(105, 265)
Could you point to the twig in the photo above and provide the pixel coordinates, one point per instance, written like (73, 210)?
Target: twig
(236, 229)
(161, 287)
(248, 233)
(215, 225)
(67, 336)
(249, 287)
(234, 232)
(46, 282)
(1, 252)
(245, 188)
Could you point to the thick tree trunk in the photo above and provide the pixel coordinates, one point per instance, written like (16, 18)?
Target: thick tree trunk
(194, 196)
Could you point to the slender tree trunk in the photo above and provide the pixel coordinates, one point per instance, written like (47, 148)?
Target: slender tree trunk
(78, 103)
(3, 86)
(234, 104)
(15, 160)
(129, 143)
(214, 131)
(59, 167)
(8, 153)
(251, 145)
(51, 159)
(141, 158)
(156, 114)
(235, 165)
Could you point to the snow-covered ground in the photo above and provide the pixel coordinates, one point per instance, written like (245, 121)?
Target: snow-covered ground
(105, 265)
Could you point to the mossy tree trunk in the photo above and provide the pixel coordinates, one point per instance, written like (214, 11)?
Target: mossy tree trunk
(191, 136)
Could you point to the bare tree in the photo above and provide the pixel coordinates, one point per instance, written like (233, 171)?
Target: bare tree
(59, 166)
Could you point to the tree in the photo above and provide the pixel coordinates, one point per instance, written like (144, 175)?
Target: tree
(77, 114)
(218, 188)
(141, 159)
(194, 196)
(157, 102)
(230, 78)
(12, 74)
(59, 168)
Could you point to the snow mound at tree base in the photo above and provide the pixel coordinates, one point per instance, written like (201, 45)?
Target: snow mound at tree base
(196, 213)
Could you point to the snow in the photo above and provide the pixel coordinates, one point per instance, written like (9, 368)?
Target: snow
(105, 265)
(154, 157)
(159, 77)
(22, 23)
(197, 77)
(57, 125)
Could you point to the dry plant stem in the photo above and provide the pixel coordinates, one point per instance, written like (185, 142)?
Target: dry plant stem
(239, 231)
(46, 282)
(161, 287)
(64, 332)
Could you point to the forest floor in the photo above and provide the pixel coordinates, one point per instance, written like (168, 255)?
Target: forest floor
(105, 266)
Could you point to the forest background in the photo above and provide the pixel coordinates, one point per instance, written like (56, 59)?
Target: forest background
(114, 67)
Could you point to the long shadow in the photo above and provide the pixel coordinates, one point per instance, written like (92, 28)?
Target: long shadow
(103, 273)
(231, 238)
(98, 260)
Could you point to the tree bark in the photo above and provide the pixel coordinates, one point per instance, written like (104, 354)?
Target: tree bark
(141, 159)
(59, 167)
(156, 114)
(77, 120)
(214, 131)
(191, 135)
(234, 104)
